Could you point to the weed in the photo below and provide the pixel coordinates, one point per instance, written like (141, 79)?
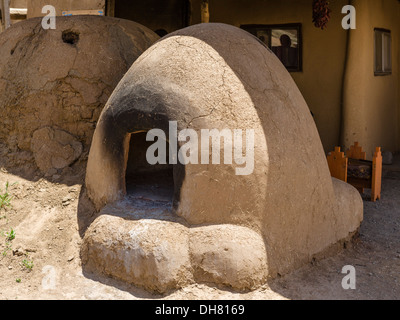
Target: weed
(28, 264)
(5, 198)
(10, 236)
(7, 248)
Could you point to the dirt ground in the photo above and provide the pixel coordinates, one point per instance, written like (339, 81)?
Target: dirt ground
(42, 261)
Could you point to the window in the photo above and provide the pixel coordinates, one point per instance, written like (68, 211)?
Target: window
(284, 40)
(383, 52)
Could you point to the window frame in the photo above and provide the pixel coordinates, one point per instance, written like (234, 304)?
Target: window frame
(384, 71)
(254, 28)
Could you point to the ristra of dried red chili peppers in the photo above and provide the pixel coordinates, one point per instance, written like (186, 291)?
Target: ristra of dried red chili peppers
(321, 13)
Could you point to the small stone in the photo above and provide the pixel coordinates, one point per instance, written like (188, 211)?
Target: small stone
(54, 149)
(387, 158)
(67, 171)
(66, 199)
(50, 172)
(18, 252)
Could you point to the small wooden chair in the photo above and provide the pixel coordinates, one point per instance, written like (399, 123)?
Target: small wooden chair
(356, 152)
(354, 169)
(337, 163)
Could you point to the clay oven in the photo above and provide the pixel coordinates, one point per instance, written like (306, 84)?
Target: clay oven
(54, 84)
(221, 227)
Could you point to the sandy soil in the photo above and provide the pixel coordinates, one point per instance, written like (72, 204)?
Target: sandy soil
(48, 227)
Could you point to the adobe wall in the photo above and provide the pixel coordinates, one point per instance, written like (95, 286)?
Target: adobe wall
(344, 102)
(18, 3)
(324, 52)
(35, 6)
(371, 103)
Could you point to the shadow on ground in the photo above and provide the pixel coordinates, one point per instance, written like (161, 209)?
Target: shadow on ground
(375, 254)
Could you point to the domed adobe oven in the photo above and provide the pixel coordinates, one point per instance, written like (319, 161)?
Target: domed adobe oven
(165, 226)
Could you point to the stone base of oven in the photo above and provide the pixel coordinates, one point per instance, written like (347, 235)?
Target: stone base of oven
(165, 255)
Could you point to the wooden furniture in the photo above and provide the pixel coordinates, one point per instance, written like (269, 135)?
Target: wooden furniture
(354, 169)
(337, 163)
(356, 153)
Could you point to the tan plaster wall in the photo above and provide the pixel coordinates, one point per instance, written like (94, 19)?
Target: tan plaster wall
(35, 6)
(324, 52)
(18, 3)
(349, 103)
(371, 103)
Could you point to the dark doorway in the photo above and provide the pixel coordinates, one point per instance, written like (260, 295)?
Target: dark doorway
(165, 15)
(154, 183)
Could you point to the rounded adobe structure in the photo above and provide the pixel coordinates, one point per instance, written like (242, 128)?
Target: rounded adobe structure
(216, 76)
(55, 83)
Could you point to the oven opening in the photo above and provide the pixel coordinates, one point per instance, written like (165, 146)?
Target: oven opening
(145, 182)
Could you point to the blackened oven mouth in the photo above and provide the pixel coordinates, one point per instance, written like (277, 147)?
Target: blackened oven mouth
(146, 184)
